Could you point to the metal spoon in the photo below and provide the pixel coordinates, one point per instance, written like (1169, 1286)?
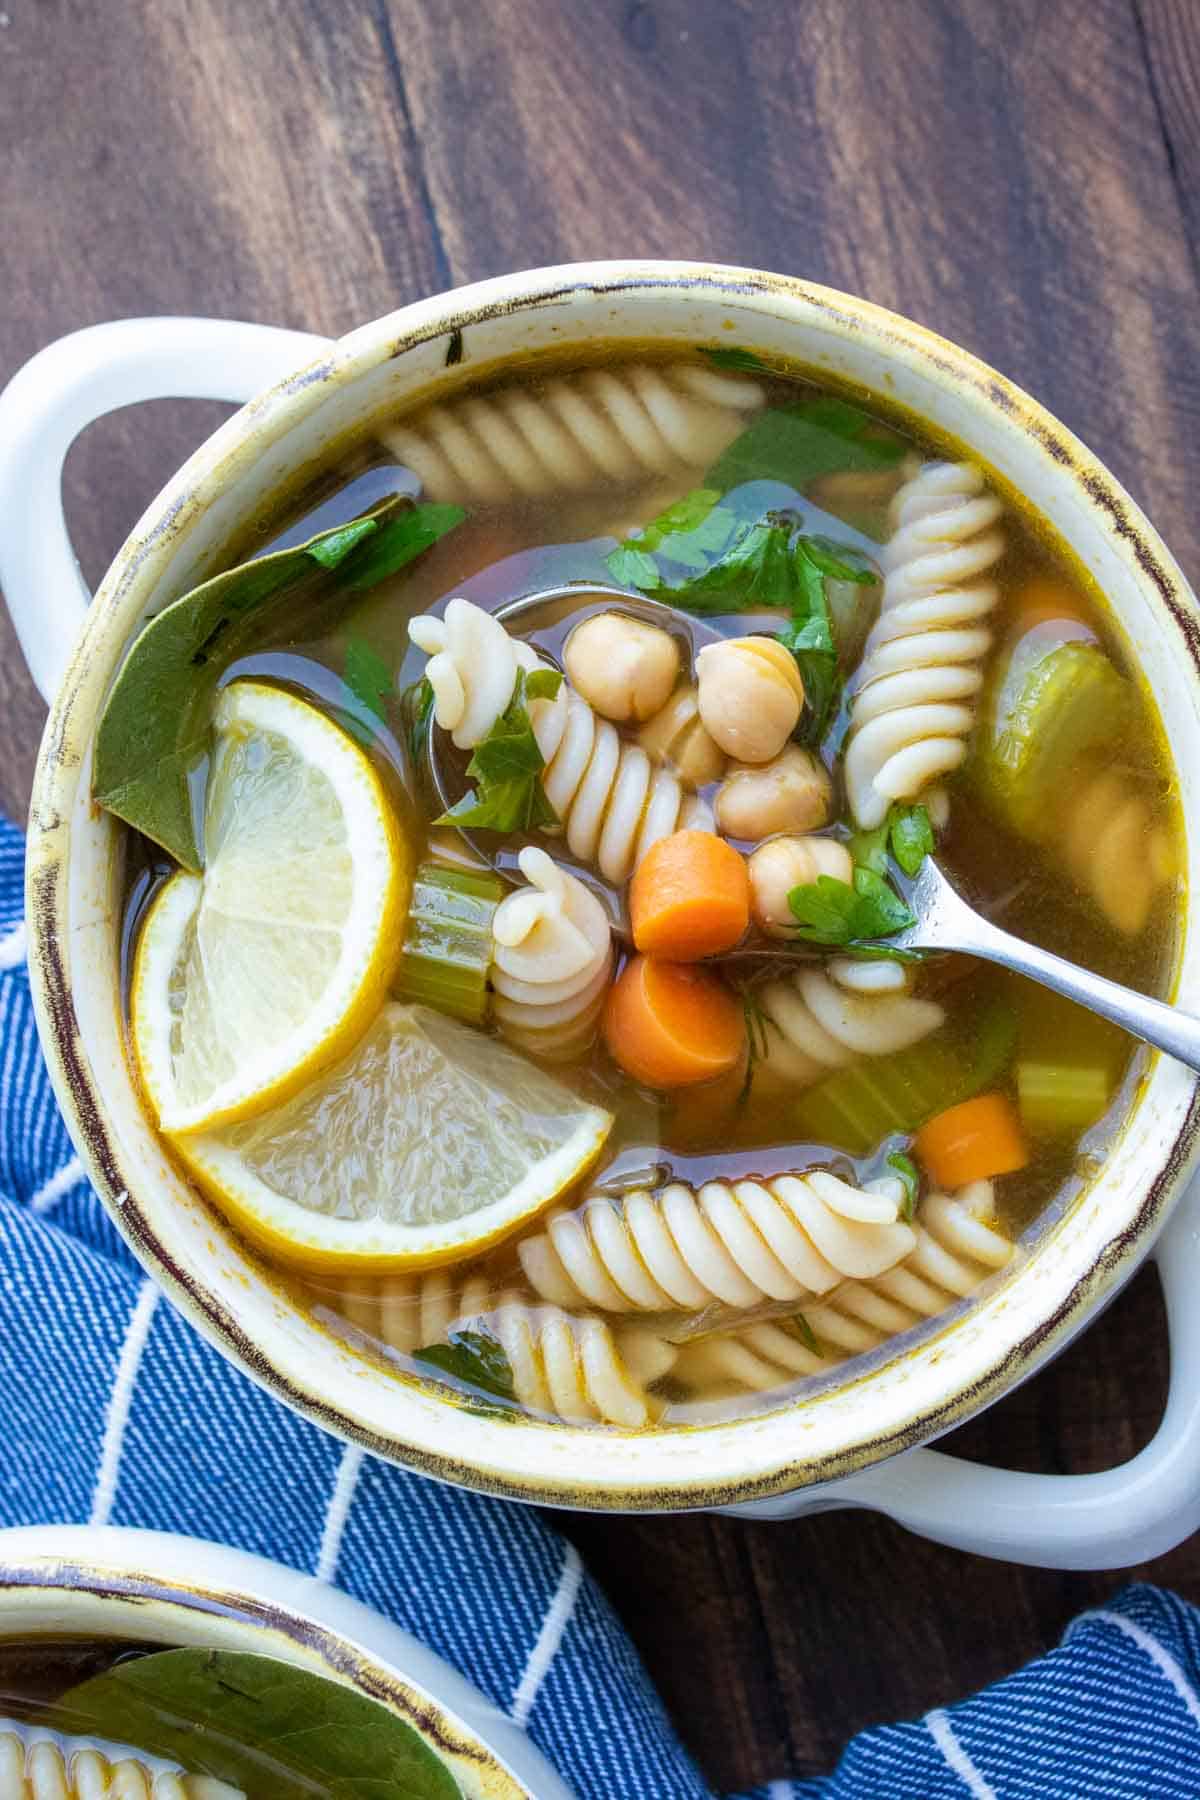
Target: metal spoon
(946, 922)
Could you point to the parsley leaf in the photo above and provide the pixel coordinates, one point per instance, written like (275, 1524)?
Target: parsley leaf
(728, 356)
(508, 766)
(910, 834)
(802, 441)
(906, 1169)
(841, 916)
(676, 545)
(906, 836)
(476, 1359)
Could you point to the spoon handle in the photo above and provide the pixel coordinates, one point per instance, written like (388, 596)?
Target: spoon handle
(1166, 1027)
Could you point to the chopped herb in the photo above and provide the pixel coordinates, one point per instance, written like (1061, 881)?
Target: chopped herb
(476, 1359)
(398, 541)
(804, 1331)
(417, 703)
(633, 568)
(367, 675)
(803, 441)
(677, 544)
(730, 357)
(756, 1041)
(840, 562)
(841, 916)
(906, 1169)
(906, 835)
(507, 767)
(911, 836)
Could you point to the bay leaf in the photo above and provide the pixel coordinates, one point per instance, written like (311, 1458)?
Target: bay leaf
(154, 730)
(273, 1730)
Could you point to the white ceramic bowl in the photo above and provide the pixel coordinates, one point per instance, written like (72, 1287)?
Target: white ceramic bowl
(831, 1450)
(153, 1587)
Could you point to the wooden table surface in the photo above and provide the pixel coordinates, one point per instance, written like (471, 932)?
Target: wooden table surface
(1024, 177)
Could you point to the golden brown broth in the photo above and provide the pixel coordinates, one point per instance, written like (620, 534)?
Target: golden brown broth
(503, 551)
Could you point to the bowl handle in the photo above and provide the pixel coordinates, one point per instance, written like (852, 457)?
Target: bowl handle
(48, 403)
(1109, 1520)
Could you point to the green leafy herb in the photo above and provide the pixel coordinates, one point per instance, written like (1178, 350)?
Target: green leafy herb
(507, 767)
(156, 724)
(258, 1724)
(906, 1169)
(800, 442)
(678, 543)
(834, 913)
(476, 1359)
(911, 837)
(757, 1045)
(804, 1331)
(417, 702)
(730, 357)
(906, 836)
(367, 675)
(399, 541)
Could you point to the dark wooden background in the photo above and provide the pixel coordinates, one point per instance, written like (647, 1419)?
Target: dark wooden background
(1023, 176)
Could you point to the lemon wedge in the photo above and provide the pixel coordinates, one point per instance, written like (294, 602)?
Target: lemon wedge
(251, 978)
(426, 1144)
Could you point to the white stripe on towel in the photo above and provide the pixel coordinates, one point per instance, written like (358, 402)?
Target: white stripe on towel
(781, 1790)
(938, 1725)
(340, 1502)
(12, 947)
(69, 1176)
(119, 1402)
(1158, 1653)
(550, 1636)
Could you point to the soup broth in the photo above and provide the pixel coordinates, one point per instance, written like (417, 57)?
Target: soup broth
(802, 645)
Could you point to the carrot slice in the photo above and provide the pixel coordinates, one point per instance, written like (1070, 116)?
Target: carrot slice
(1043, 598)
(668, 1025)
(689, 897)
(972, 1141)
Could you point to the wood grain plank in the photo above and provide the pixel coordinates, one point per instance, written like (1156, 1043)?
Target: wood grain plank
(1019, 178)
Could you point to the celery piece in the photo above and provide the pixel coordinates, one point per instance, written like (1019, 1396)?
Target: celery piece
(1046, 710)
(855, 1108)
(448, 942)
(1062, 1099)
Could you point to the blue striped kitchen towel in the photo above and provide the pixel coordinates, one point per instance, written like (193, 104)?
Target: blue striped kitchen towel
(113, 1410)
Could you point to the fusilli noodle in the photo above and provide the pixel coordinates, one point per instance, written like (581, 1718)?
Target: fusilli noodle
(602, 425)
(735, 1243)
(577, 1369)
(913, 701)
(36, 1765)
(1113, 848)
(812, 1024)
(613, 801)
(957, 1249)
(551, 961)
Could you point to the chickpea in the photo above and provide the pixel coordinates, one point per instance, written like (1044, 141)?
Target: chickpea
(675, 735)
(793, 793)
(783, 863)
(750, 696)
(622, 667)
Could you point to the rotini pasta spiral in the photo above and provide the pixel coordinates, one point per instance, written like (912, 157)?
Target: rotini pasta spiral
(612, 800)
(957, 1249)
(577, 1369)
(734, 1243)
(600, 426)
(38, 1765)
(1114, 849)
(812, 1024)
(912, 707)
(551, 961)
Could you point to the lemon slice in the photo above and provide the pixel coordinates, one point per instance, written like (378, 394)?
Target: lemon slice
(251, 978)
(427, 1143)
